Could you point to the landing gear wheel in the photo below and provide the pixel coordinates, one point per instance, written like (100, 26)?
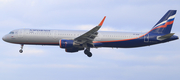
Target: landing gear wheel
(88, 53)
(21, 51)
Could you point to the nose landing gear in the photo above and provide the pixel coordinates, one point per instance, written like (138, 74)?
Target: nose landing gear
(21, 50)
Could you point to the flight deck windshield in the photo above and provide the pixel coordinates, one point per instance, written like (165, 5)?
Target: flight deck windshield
(11, 33)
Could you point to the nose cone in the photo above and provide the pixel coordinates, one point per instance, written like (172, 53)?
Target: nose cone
(5, 38)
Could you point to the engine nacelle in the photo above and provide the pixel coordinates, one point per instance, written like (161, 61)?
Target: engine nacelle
(73, 49)
(66, 43)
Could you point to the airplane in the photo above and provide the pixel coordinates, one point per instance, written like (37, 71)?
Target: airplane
(76, 40)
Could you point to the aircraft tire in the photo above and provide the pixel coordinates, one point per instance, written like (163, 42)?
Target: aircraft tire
(21, 51)
(89, 54)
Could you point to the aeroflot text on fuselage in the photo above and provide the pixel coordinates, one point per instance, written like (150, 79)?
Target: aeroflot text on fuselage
(38, 30)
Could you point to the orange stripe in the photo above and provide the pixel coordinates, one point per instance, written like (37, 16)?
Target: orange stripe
(35, 43)
(167, 23)
(171, 22)
(163, 26)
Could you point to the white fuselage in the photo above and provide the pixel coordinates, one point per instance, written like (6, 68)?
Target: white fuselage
(43, 37)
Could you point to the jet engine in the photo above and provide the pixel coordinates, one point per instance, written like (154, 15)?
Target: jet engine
(66, 43)
(74, 49)
(71, 50)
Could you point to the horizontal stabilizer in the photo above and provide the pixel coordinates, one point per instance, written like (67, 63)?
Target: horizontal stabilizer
(165, 36)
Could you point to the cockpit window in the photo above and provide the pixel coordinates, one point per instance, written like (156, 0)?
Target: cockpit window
(11, 33)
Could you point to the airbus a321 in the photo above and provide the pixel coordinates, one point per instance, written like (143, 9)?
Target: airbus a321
(75, 40)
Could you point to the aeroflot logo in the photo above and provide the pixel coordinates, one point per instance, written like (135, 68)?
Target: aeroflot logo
(171, 18)
(38, 30)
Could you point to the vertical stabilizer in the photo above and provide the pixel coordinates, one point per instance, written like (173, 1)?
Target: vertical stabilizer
(164, 25)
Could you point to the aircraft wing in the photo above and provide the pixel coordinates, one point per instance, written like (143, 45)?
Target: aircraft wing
(88, 37)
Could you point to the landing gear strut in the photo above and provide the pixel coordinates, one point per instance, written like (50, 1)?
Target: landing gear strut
(87, 52)
(21, 50)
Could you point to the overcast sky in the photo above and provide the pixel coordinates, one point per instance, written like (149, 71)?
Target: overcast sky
(157, 62)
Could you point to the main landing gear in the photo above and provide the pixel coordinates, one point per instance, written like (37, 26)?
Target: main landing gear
(21, 50)
(87, 52)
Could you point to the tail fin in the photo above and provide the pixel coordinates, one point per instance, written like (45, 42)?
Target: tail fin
(164, 25)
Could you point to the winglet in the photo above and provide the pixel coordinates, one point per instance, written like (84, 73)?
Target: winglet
(100, 24)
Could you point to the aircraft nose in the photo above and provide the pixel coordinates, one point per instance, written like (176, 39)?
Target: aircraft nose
(4, 38)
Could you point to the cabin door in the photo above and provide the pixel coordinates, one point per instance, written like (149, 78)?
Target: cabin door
(146, 38)
(20, 33)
